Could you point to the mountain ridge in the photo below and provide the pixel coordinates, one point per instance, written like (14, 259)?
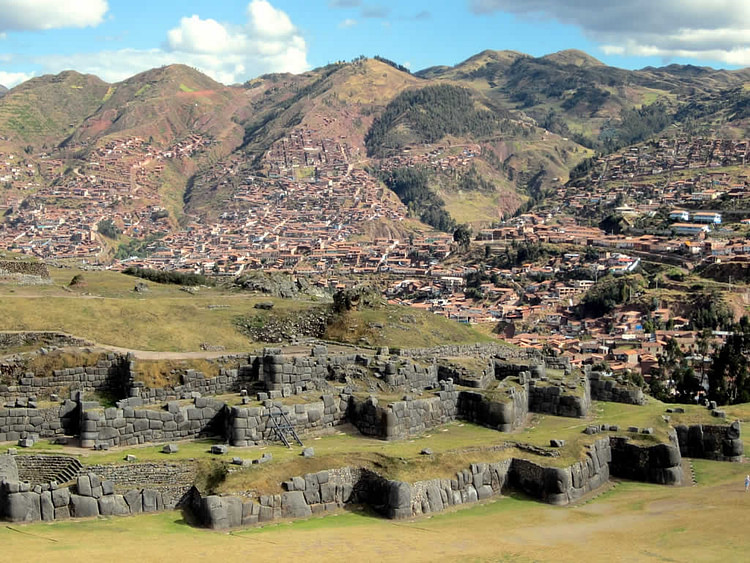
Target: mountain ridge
(541, 115)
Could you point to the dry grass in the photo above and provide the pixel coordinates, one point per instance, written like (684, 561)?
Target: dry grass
(631, 522)
(158, 374)
(61, 359)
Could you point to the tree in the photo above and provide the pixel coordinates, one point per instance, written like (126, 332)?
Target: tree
(107, 228)
(729, 376)
(462, 235)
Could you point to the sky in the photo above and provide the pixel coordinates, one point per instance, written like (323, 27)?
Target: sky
(236, 40)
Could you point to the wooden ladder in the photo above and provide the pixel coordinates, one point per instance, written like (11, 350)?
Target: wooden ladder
(283, 427)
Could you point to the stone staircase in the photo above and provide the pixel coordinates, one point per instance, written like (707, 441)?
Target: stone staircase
(38, 469)
(693, 480)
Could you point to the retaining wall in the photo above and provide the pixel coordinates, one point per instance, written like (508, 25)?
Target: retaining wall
(330, 490)
(109, 375)
(24, 422)
(605, 388)
(708, 441)
(503, 413)
(658, 463)
(251, 425)
(20, 502)
(129, 426)
(563, 485)
(559, 399)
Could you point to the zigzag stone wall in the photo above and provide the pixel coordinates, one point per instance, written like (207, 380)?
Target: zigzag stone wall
(329, 490)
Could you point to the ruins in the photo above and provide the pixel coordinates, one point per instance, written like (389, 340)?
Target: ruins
(294, 393)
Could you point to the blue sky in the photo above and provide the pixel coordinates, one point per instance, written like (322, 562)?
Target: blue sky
(233, 41)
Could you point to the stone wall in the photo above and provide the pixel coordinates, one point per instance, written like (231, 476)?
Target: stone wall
(41, 339)
(172, 480)
(295, 371)
(252, 425)
(311, 494)
(129, 426)
(24, 268)
(110, 375)
(229, 380)
(560, 399)
(332, 489)
(658, 463)
(563, 485)
(479, 481)
(412, 417)
(401, 419)
(46, 468)
(504, 409)
(604, 388)
(411, 375)
(22, 502)
(26, 422)
(461, 375)
(480, 349)
(707, 441)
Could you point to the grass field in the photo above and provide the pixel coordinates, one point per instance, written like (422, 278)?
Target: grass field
(630, 522)
(106, 310)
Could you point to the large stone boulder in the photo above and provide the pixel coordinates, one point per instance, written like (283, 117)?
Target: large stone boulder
(399, 499)
(293, 505)
(83, 507)
(23, 507)
(113, 505)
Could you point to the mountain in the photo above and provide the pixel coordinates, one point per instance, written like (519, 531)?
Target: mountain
(3, 90)
(163, 103)
(47, 109)
(456, 144)
(577, 96)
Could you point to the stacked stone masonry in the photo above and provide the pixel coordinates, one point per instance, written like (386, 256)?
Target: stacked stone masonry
(129, 426)
(252, 425)
(708, 441)
(607, 388)
(332, 489)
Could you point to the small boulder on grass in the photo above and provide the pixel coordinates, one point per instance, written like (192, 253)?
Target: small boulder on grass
(170, 449)
(77, 281)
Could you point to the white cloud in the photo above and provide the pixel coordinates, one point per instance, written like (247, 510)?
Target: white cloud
(10, 79)
(20, 15)
(704, 29)
(268, 42)
(349, 22)
(269, 22)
